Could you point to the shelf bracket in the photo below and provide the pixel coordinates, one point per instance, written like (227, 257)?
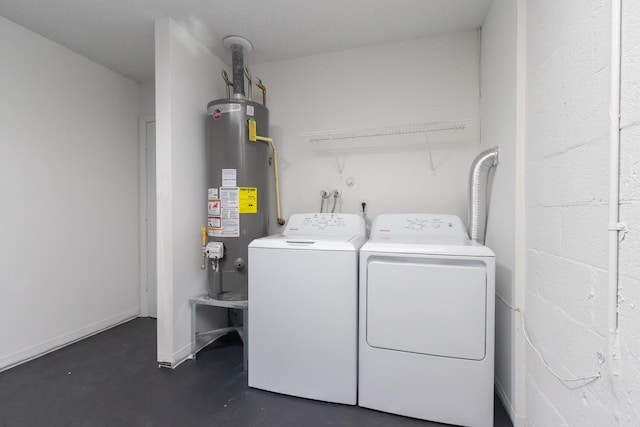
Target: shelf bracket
(431, 165)
(339, 166)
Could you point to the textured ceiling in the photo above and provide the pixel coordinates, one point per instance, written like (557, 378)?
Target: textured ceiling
(119, 34)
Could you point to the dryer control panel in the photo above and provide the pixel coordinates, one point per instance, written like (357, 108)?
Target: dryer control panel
(418, 224)
(325, 224)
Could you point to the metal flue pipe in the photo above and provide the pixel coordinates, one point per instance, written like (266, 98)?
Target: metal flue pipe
(237, 62)
(238, 46)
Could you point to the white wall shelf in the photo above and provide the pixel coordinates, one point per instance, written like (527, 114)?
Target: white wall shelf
(443, 134)
(331, 135)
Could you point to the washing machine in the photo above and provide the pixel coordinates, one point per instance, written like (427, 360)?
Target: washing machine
(303, 308)
(426, 337)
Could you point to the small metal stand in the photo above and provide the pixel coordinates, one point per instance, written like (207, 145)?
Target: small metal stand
(217, 333)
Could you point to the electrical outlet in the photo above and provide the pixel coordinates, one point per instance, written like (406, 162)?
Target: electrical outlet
(363, 204)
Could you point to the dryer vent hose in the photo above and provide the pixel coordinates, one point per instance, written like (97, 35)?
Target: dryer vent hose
(478, 191)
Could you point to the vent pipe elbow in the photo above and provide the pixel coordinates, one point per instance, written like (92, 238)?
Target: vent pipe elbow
(478, 190)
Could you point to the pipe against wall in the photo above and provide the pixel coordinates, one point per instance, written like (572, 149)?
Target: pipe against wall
(615, 227)
(228, 82)
(247, 73)
(478, 186)
(263, 88)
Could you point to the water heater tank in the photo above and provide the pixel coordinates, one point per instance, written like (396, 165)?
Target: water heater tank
(238, 205)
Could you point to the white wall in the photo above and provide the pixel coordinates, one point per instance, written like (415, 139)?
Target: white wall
(629, 368)
(498, 119)
(417, 81)
(186, 80)
(147, 99)
(68, 180)
(567, 174)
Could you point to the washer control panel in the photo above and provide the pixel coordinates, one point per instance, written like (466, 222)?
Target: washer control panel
(418, 224)
(324, 223)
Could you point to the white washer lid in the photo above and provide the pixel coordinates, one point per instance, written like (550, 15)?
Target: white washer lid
(325, 224)
(310, 242)
(318, 231)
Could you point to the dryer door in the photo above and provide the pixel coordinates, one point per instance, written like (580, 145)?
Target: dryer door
(427, 305)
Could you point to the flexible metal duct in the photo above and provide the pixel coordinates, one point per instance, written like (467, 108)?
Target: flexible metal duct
(478, 186)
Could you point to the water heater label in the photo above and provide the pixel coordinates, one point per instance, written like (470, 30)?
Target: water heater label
(248, 200)
(213, 224)
(229, 177)
(230, 227)
(213, 208)
(229, 197)
(249, 110)
(229, 212)
(212, 194)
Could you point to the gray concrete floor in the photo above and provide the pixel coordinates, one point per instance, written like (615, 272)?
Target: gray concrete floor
(113, 379)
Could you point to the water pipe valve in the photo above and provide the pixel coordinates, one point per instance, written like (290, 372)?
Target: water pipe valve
(203, 231)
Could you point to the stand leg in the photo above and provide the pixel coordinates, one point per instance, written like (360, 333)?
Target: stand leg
(245, 343)
(193, 330)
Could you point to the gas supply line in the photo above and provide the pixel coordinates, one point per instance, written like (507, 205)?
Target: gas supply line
(253, 137)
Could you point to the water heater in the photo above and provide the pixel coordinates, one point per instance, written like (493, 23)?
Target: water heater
(238, 169)
(238, 191)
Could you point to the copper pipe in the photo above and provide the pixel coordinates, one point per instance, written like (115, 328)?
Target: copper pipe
(263, 88)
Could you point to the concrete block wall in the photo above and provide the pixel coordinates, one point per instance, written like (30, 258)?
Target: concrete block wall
(567, 191)
(567, 167)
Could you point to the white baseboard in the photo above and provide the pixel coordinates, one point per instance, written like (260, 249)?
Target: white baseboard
(518, 421)
(183, 355)
(21, 356)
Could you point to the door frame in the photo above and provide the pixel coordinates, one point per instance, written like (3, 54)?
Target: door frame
(144, 300)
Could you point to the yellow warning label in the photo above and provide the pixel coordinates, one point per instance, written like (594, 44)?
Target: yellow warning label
(248, 200)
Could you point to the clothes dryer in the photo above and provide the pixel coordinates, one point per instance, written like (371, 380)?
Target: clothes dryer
(303, 302)
(426, 329)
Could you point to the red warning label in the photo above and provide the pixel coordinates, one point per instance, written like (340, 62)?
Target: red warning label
(217, 114)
